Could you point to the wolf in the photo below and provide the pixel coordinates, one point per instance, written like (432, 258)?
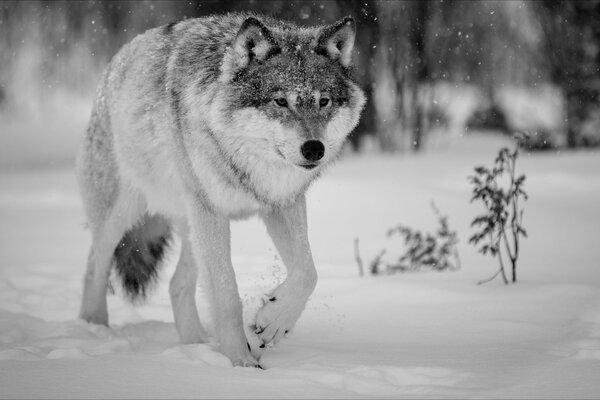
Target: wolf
(204, 121)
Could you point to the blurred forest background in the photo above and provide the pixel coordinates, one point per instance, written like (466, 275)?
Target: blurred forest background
(433, 70)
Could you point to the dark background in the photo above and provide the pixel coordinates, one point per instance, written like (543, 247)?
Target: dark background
(430, 68)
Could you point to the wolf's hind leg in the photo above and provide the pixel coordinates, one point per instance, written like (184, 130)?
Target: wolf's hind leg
(106, 235)
(93, 306)
(182, 290)
(288, 230)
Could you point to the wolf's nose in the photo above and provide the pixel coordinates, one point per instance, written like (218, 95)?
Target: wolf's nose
(313, 150)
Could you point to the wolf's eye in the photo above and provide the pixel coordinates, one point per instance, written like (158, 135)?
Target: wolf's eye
(281, 102)
(323, 102)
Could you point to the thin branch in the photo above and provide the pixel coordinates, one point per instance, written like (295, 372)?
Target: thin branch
(361, 271)
(374, 266)
(508, 251)
(489, 279)
(515, 233)
(458, 265)
(514, 221)
(502, 267)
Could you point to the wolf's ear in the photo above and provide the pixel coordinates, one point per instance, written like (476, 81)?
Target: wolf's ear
(253, 41)
(337, 41)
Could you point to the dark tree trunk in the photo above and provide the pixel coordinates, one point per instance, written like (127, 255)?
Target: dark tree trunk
(418, 36)
(572, 32)
(514, 272)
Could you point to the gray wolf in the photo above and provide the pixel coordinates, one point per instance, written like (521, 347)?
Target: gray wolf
(200, 122)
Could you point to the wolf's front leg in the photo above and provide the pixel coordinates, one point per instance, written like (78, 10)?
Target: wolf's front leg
(288, 230)
(210, 239)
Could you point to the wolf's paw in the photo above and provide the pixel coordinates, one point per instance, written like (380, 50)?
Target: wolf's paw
(243, 358)
(246, 360)
(98, 317)
(276, 318)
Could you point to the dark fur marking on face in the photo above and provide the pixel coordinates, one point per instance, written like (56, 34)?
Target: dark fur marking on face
(295, 63)
(256, 85)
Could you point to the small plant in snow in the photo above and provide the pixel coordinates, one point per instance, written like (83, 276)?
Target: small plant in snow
(501, 226)
(422, 250)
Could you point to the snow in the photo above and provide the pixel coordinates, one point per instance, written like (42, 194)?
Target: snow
(418, 335)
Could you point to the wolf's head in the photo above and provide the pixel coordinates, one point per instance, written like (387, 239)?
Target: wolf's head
(289, 92)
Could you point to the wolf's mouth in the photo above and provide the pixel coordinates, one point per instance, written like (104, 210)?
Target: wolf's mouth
(309, 166)
(305, 166)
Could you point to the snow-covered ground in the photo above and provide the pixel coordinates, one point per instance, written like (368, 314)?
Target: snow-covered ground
(412, 335)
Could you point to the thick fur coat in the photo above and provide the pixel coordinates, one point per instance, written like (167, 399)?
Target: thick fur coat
(199, 122)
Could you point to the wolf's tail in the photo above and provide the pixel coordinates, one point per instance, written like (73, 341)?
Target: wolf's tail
(139, 253)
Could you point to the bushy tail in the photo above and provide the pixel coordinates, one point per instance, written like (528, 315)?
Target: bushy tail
(139, 253)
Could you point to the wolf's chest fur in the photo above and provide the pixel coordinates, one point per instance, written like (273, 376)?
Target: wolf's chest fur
(231, 188)
(233, 183)
(238, 185)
